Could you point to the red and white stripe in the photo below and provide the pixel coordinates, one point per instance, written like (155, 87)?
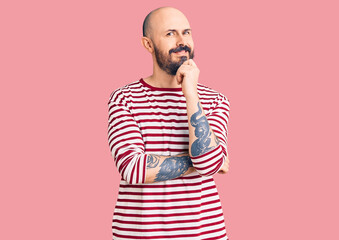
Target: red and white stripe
(147, 120)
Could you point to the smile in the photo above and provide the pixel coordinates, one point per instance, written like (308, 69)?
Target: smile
(183, 52)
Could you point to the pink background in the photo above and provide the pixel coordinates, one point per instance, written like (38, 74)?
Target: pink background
(277, 62)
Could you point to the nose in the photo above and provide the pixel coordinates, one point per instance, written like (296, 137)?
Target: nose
(180, 40)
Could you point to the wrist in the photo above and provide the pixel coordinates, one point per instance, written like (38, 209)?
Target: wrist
(191, 96)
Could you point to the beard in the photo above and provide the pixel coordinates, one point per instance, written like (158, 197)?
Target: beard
(165, 61)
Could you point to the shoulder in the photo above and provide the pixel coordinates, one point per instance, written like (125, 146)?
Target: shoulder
(119, 94)
(208, 92)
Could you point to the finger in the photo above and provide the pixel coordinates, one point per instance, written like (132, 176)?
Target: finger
(183, 69)
(192, 63)
(187, 62)
(179, 78)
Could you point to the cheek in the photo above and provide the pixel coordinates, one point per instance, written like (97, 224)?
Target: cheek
(191, 44)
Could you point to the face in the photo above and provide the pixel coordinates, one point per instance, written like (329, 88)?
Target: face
(172, 41)
(170, 61)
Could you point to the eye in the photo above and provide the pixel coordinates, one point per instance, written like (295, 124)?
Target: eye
(168, 34)
(187, 32)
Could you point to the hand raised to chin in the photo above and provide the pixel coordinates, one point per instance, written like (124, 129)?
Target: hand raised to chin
(188, 75)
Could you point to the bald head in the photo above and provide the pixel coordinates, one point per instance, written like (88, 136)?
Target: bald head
(158, 17)
(167, 35)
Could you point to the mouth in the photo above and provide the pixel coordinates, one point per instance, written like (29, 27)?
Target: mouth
(183, 52)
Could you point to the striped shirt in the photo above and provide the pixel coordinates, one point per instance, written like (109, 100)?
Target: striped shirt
(149, 120)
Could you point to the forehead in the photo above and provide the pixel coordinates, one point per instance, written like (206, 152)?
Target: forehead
(169, 19)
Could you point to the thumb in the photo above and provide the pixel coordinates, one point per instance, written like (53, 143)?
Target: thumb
(179, 76)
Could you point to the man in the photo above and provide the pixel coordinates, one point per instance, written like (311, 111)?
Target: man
(168, 137)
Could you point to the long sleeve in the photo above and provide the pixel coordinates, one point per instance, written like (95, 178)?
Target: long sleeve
(125, 141)
(211, 161)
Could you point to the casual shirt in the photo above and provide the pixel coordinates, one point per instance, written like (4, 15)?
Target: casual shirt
(147, 120)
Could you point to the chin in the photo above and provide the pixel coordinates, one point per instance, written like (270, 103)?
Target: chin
(183, 59)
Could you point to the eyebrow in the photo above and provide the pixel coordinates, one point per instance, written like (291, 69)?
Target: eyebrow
(174, 30)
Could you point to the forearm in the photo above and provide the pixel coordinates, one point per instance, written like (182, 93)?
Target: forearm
(161, 168)
(201, 136)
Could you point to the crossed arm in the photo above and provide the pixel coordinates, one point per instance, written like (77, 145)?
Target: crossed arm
(162, 168)
(207, 147)
(202, 140)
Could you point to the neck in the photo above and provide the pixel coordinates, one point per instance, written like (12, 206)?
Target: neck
(161, 79)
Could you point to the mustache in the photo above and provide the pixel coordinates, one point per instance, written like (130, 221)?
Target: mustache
(180, 48)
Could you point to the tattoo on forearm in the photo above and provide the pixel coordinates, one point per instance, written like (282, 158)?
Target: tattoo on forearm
(152, 161)
(202, 132)
(173, 167)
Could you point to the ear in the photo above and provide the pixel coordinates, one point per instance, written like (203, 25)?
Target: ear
(147, 43)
